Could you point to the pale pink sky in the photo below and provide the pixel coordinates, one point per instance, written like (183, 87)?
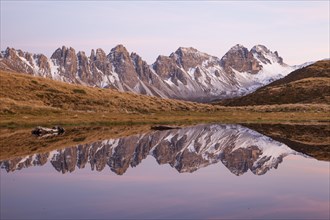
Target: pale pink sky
(298, 30)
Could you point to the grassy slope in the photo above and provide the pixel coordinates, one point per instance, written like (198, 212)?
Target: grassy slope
(307, 85)
(30, 101)
(49, 94)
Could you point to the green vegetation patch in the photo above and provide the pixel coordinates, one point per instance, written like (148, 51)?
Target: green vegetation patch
(53, 90)
(34, 82)
(79, 91)
(78, 139)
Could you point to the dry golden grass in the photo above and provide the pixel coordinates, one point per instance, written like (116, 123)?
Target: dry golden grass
(283, 114)
(30, 101)
(26, 92)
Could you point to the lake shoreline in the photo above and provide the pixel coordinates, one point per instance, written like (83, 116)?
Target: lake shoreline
(20, 141)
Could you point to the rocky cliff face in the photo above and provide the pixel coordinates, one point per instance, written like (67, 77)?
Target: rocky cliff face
(240, 59)
(186, 74)
(67, 63)
(187, 150)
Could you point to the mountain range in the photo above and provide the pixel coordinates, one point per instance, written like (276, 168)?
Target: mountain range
(188, 149)
(186, 74)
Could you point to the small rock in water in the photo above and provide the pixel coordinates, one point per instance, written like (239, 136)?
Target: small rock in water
(164, 127)
(46, 132)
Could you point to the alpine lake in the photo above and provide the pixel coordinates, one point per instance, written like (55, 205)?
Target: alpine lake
(206, 171)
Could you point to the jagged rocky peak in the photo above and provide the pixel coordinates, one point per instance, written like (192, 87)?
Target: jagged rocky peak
(190, 51)
(43, 65)
(99, 62)
(240, 59)
(139, 63)
(63, 56)
(119, 54)
(17, 60)
(66, 59)
(137, 60)
(174, 67)
(265, 55)
(9, 53)
(238, 47)
(25, 62)
(163, 66)
(81, 53)
(237, 50)
(5, 54)
(141, 68)
(82, 58)
(162, 58)
(189, 57)
(61, 52)
(84, 67)
(186, 51)
(260, 48)
(120, 48)
(98, 55)
(123, 65)
(92, 57)
(169, 68)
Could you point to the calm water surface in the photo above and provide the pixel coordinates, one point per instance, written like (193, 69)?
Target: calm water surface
(205, 171)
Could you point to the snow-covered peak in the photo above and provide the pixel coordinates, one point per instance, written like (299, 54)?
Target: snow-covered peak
(265, 56)
(235, 53)
(186, 50)
(119, 48)
(119, 53)
(305, 64)
(237, 47)
(260, 48)
(190, 53)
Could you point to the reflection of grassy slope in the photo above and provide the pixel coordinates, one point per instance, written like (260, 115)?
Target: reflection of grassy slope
(313, 140)
(21, 143)
(306, 85)
(30, 101)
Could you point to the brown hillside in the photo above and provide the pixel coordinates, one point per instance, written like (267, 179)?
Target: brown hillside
(307, 85)
(24, 91)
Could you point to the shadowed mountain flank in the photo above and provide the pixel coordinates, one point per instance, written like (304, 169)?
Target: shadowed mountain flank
(309, 84)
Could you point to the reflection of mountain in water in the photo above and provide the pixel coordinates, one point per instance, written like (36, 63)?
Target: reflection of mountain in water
(240, 149)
